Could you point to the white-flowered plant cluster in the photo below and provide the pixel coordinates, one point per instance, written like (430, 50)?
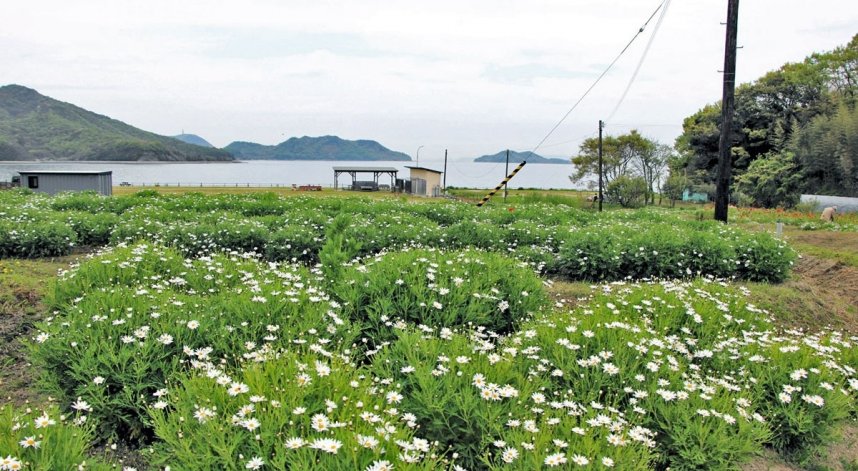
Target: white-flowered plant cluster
(46, 438)
(234, 350)
(558, 240)
(232, 362)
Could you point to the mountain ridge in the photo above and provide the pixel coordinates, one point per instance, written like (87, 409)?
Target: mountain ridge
(518, 157)
(35, 127)
(316, 148)
(193, 139)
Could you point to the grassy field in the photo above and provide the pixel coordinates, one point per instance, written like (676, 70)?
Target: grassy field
(821, 294)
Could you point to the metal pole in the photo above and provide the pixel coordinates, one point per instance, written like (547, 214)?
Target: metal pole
(418, 157)
(601, 125)
(722, 184)
(506, 172)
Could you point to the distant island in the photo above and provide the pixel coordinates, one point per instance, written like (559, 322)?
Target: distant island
(193, 139)
(34, 127)
(315, 148)
(518, 157)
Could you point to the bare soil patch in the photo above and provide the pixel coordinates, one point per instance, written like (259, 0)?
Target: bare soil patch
(841, 455)
(840, 241)
(831, 284)
(830, 275)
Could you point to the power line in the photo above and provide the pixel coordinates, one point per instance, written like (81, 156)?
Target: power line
(646, 125)
(589, 134)
(641, 61)
(598, 79)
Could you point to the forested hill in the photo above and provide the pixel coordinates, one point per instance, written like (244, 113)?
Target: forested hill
(518, 157)
(315, 148)
(36, 127)
(795, 130)
(193, 139)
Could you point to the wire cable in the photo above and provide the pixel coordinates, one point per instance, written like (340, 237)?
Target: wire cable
(641, 61)
(598, 79)
(555, 144)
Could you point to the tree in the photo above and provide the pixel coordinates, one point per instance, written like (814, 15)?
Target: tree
(629, 192)
(789, 109)
(772, 181)
(674, 187)
(826, 150)
(650, 165)
(618, 154)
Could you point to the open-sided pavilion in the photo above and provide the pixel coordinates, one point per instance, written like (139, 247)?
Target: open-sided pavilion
(375, 171)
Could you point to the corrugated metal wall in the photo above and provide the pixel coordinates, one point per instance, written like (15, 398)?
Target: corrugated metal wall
(56, 183)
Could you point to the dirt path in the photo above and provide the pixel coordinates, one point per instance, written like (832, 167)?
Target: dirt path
(23, 284)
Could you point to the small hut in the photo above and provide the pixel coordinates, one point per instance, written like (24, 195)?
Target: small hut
(425, 181)
(56, 181)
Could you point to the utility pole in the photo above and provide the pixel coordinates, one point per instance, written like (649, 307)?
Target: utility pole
(601, 125)
(505, 172)
(725, 158)
(445, 171)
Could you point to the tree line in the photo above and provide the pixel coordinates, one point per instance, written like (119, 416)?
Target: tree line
(795, 131)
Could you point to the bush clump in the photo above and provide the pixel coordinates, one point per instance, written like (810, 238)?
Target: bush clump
(441, 289)
(128, 322)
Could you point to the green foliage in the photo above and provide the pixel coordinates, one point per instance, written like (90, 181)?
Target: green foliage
(827, 149)
(457, 289)
(618, 156)
(805, 108)
(222, 359)
(46, 439)
(131, 320)
(31, 239)
(476, 405)
(338, 250)
(33, 126)
(674, 187)
(684, 249)
(275, 411)
(299, 244)
(629, 192)
(772, 181)
(333, 232)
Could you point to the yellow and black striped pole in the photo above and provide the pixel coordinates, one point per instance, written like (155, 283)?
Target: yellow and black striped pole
(505, 180)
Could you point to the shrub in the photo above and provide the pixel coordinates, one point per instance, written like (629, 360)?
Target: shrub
(129, 321)
(439, 289)
(496, 414)
(279, 410)
(628, 192)
(682, 250)
(45, 439)
(92, 229)
(298, 244)
(46, 238)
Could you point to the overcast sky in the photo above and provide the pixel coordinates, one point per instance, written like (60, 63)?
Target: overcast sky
(474, 76)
